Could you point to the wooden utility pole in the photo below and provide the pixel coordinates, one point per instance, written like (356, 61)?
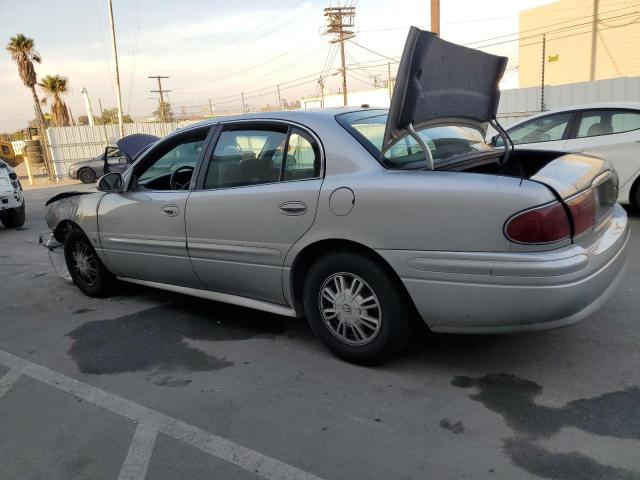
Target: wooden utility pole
(115, 56)
(435, 16)
(279, 98)
(210, 108)
(389, 79)
(594, 40)
(340, 25)
(163, 113)
(244, 106)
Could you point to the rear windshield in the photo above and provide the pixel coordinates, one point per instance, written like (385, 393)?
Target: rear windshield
(446, 143)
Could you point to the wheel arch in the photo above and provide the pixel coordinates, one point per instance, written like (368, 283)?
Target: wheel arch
(312, 252)
(634, 197)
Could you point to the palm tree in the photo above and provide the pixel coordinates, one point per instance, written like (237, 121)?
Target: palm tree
(53, 86)
(23, 52)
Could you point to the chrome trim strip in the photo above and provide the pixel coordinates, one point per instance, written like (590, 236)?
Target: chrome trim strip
(219, 297)
(259, 252)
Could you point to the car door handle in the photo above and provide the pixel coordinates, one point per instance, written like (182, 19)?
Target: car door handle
(170, 210)
(293, 208)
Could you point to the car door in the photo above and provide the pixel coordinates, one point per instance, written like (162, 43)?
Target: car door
(613, 133)
(117, 160)
(257, 196)
(548, 132)
(142, 230)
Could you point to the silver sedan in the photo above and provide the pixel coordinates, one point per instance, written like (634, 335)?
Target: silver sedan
(362, 220)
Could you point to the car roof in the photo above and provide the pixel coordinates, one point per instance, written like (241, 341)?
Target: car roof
(585, 106)
(305, 117)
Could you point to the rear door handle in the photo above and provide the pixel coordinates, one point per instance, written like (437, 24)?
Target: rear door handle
(293, 208)
(170, 210)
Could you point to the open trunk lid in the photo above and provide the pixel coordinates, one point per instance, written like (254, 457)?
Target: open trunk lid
(133, 144)
(441, 83)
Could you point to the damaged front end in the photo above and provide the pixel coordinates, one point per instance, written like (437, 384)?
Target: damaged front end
(56, 255)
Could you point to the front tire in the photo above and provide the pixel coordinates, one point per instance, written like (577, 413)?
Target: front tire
(86, 175)
(13, 218)
(356, 309)
(85, 267)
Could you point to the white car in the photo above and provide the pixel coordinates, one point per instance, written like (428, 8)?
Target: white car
(608, 129)
(11, 198)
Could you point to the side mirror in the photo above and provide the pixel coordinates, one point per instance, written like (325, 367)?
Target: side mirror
(111, 182)
(494, 139)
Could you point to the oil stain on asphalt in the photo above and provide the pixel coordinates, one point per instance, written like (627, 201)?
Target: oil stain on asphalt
(614, 414)
(153, 340)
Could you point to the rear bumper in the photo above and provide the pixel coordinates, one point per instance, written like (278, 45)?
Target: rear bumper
(482, 292)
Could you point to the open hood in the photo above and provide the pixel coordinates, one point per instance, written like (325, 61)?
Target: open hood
(438, 83)
(132, 145)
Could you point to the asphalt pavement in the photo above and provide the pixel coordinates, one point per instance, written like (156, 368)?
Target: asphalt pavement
(156, 385)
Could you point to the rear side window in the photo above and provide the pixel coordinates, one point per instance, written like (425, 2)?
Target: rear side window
(594, 123)
(544, 129)
(303, 157)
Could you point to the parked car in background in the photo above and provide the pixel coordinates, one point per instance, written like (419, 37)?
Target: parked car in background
(361, 219)
(12, 211)
(87, 171)
(609, 129)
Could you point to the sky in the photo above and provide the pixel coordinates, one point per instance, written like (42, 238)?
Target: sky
(215, 50)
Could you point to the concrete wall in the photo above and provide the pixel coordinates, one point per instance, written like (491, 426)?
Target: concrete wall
(568, 27)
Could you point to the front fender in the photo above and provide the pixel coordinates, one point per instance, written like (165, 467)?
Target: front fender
(80, 210)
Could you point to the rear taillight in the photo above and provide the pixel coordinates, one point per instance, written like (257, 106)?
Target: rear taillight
(546, 224)
(583, 211)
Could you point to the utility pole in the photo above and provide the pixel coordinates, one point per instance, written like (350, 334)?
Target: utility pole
(104, 125)
(594, 40)
(71, 115)
(279, 98)
(321, 83)
(163, 114)
(244, 106)
(87, 106)
(544, 54)
(210, 108)
(389, 79)
(340, 24)
(435, 16)
(115, 56)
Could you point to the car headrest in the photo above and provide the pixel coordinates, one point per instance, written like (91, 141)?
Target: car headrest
(599, 129)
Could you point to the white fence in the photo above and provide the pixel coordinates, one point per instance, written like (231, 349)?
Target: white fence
(72, 144)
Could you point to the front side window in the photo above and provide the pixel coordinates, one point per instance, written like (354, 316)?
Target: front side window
(159, 165)
(543, 129)
(445, 142)
(594, 123)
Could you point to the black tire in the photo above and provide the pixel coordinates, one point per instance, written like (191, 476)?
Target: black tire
(13, 218)
(395, 313)
(87, 271)
(86, 175)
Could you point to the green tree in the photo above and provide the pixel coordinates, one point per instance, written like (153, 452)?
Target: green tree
(52, 87)
(23, 52)
(164, 114)
(110, 115)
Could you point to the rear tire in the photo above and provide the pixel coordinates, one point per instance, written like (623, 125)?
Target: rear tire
(86, 175)
(85, 267)
(356, 309)
(13, 218)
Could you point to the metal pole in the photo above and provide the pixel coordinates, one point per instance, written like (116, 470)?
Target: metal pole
(71, 115)
(104, 125)
(87, 106)
(244, 107)
(389, 79)
(279, 99)
(594, 40)
(115, 56)
(210, 107)
(544, 54)
(435, 16)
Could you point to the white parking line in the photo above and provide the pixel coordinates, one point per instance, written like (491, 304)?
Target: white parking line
(151, 422)
(9, 379)
(137, 462)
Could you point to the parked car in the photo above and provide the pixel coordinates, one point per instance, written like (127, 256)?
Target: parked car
(87, 171)
(361, 219)
(609, 129)
(12, 211)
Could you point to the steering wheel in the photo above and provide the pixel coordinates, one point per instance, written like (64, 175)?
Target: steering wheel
(175, 185)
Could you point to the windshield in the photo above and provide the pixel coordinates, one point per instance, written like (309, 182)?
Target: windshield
(445, 142)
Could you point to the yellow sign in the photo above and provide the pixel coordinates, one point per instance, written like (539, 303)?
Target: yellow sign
(554, 58)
